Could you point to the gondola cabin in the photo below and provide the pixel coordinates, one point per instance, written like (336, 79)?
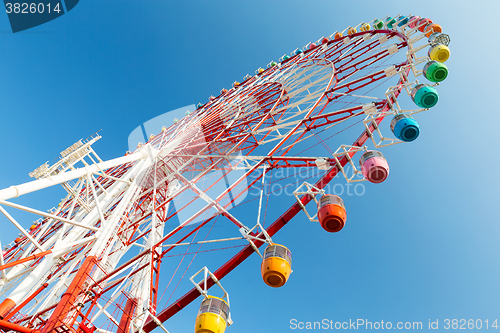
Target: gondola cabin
(374, 166)
(276, 265)
(331, 213)
(212, 316)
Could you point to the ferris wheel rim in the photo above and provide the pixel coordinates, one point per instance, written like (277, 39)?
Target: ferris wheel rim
(295, 208)
(272, 229)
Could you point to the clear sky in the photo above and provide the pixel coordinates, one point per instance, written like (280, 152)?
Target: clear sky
(422, 245)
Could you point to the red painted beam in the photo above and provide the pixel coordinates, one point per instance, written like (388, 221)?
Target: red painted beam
(28, 258)
(68, 299)
(8, 326)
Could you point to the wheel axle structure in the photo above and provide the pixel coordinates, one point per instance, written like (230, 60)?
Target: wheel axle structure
(114, 254)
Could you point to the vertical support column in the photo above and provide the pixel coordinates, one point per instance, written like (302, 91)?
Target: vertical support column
(26, 301)
(155, 275)
(127, 316)
(66, 304)
(5, 307)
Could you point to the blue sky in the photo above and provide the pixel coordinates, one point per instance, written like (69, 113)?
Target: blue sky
(422, 245)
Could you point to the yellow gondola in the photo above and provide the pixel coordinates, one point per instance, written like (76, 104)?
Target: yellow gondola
(212, 316)
(276, 265)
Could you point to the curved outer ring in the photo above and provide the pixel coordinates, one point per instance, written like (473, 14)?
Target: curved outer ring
(279, 223)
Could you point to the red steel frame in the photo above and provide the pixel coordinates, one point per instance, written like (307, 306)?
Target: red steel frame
(279, 223)
(270, 97)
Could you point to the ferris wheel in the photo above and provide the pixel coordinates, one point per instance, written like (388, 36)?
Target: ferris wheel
(138, 238)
